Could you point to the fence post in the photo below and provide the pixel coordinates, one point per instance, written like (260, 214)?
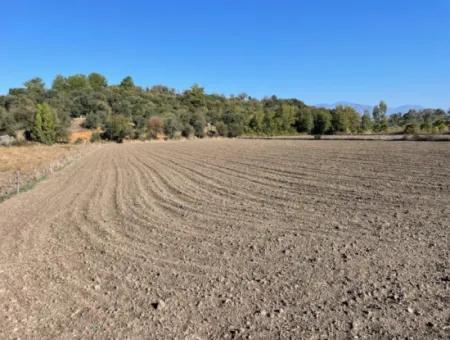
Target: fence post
(18, 180)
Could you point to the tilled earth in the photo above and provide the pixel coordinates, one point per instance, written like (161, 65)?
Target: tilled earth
(233, 239)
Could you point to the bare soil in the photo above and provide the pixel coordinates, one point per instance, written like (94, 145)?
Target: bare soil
(233, 239)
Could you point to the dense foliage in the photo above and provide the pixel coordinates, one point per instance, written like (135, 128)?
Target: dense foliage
(129, 111)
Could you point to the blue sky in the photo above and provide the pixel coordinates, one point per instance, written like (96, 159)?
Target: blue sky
(318, 51)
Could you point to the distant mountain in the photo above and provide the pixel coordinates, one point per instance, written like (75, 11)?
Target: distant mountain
(404, 108)
(361, 107)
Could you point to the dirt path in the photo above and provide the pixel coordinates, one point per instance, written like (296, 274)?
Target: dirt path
(232, 239)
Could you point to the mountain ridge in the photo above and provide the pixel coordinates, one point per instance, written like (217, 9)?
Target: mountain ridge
(362, 107)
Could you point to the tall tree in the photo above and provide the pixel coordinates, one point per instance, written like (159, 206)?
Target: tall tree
(44, 126)
(127, 83)
(366, 122)
(322, 122)
(97, 81)
(379, 116)
(36, 89)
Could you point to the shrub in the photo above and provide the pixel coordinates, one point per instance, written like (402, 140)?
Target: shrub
(410, 129)
(221, 129)
(172, 126)
(234, 123)
(322, 122)
(187, 131)
(155, 126)
(426, 126)
(439, 125)
(117, 127)
(96, 137)
(198, 123)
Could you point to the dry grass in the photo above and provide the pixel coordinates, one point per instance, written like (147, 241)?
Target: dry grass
(33, 162)
(84, 135)
(27, 158)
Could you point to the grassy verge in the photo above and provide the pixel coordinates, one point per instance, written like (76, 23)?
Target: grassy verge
(24, 188)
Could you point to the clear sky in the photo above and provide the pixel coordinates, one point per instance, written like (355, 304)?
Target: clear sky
(318, 51)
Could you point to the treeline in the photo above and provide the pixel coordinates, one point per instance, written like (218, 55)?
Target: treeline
(129, 111)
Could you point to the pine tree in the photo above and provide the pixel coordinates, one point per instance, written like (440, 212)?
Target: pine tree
(44, 126)
(48, 124)
(36, 130)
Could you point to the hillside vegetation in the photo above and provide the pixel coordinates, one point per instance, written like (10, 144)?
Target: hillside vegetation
(128, 111)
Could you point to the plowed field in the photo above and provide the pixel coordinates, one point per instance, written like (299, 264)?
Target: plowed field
(232, 239)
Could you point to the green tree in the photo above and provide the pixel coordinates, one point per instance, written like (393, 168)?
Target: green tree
(269, 125)
(60, 84)
(97, 81)
(194, 97)
(44, 126)
(366, 122)
(198, 123)
(256, 120)
(77, 82)
(172, 126)
(305, 120)
(286, 117)
(345, 119)
(117, 127)
(7, 122)
(379, 116)
(127, 83)
(36, 89)
(234, 124)
(322, 122)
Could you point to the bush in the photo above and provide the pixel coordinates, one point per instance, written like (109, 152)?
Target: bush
(234, 123)
(198, 123)
(187, 131)
(221, 129)
(62, 136)
(426, 126)
(322, 122)
(94, 120)
(410, 129)
(117, 127)
(172, 126)
(96, 137)
(155, 126)
(439, 125)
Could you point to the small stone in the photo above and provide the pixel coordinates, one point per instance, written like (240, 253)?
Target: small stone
(226, 301)
(97, 287)
(158, 305)
(410, 310)
(356, 325)
(262, 312)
